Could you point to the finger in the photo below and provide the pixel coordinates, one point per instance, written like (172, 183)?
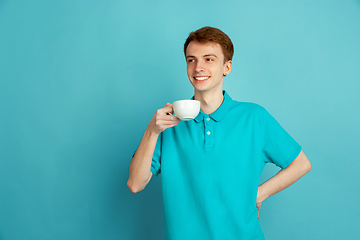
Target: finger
(167, 123)
(168, 118)
(167, 110)
(166, 126)
(170, 126)
(168, 105)
(171, 118)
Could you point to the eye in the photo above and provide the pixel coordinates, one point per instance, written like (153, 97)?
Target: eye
(190, 60)
(209, 59)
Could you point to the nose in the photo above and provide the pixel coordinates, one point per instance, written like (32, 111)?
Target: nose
(199, 66)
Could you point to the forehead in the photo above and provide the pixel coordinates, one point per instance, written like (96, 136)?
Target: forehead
(198, 49)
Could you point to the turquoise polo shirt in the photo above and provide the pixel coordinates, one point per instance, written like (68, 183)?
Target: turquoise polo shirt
(210, 169)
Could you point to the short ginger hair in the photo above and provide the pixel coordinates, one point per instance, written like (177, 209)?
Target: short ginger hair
(212, 35)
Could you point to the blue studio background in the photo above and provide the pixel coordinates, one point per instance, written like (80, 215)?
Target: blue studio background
(80, 80)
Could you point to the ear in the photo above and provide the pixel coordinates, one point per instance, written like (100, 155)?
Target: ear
(227, 67)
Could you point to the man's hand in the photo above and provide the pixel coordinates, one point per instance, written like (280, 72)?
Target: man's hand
(163, 119)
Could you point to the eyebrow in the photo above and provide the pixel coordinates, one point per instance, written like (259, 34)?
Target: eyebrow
(206, 55)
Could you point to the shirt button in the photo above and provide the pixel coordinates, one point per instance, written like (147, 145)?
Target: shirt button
(208, 133)
(208, 119)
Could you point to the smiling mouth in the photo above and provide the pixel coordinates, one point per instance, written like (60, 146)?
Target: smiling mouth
(199, 79)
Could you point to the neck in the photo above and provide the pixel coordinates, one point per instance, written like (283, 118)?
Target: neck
(209, 101)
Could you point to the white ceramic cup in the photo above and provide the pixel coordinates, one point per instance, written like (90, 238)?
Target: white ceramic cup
(186, 109)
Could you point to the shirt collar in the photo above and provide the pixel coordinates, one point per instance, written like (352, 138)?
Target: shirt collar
(220, 113)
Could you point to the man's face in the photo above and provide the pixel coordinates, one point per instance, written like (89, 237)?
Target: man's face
(205, 66)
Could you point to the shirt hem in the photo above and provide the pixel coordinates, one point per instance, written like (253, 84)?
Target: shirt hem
(292, 157)
(152, 169)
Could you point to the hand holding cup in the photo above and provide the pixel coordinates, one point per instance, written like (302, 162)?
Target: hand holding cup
(163, 119)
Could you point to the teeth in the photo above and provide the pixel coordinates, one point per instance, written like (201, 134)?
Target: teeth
(201, 78)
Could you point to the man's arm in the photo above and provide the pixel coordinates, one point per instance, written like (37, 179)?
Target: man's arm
(283, 179)
(140, 174)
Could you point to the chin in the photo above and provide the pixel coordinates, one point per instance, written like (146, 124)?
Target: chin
(198, 88)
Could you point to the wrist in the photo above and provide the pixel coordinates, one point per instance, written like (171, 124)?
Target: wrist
(151, 133)
(261, 195)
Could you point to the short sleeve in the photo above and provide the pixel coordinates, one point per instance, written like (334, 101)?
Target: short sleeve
(279, 147)
(156, 160)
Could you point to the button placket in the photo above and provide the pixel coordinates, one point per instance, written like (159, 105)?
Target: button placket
(209, 134)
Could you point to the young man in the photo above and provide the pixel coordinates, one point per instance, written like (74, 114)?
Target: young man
(211, 165)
